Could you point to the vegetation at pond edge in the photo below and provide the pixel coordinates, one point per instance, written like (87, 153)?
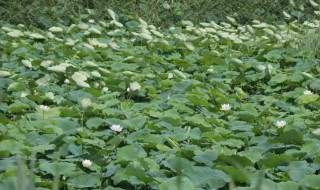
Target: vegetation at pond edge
(45, 13)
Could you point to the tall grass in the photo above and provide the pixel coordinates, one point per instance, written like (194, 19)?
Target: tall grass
(310, 42)
(44, 13)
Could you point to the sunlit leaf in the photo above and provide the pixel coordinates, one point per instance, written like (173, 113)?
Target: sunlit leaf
(57, 168)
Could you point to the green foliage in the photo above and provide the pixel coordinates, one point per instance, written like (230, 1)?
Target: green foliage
(122, 104)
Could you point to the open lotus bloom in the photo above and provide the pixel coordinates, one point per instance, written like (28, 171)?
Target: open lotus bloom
(116, 128)
(225, 107)
(44, 108)
(281, 124)
(86, 163)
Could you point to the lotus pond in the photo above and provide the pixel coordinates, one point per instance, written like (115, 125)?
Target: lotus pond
(127, 105)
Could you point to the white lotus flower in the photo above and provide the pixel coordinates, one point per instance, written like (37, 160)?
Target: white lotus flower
(281, 124)
(134, 86)
(307, 92)
(44, 108)
(116, 128)
(86, 163)
(225, 107)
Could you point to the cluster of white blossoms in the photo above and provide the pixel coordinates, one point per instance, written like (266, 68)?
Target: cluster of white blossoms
(86, 163)
(281, 124)
(44, 108)
(225, 107)
(307, 92)
(116, 128)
